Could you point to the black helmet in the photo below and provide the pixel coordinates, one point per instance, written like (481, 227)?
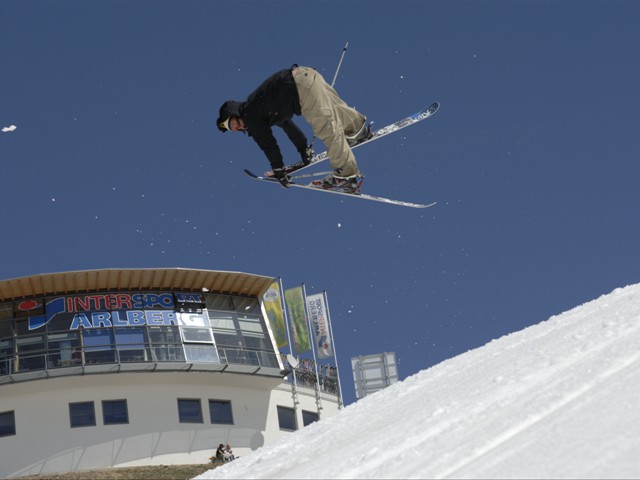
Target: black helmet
(229, 109)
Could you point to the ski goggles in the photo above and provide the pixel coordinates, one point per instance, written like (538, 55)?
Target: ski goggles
(225, 124)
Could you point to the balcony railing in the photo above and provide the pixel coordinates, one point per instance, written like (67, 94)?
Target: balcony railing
(137, 357)
(307, 378)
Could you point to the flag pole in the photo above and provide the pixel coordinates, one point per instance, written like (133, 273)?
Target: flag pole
(335, 353)
(313, 352)
(294, 383)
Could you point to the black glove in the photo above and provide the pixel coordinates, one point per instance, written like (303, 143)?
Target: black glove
(306, 155)
(281, 175)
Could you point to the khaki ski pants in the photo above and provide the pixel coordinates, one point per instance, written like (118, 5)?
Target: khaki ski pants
(330, 117)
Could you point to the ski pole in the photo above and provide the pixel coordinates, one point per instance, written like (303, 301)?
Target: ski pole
(344, 50)
(335, 76)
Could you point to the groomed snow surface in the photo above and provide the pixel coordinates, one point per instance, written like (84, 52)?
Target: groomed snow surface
(560, 399)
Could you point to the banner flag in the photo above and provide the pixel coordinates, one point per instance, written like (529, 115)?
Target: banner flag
(273, 307)
(318, 313)
(298, 318)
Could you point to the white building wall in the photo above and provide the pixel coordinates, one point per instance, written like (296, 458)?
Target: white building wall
(46, 443)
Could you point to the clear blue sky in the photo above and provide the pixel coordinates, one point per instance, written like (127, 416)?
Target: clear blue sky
(533, 157)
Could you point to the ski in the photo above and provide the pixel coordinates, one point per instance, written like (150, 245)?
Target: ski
(356, 194)
(376, 134)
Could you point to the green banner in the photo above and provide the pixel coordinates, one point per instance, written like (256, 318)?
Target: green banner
(273, 307)
(295, 306)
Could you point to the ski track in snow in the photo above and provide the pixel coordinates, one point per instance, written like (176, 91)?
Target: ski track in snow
(555, 400)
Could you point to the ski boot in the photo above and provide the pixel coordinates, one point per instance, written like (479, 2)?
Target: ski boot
(361, 135)
(346, 184)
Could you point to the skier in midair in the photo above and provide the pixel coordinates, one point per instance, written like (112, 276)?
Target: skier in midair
(300, 91)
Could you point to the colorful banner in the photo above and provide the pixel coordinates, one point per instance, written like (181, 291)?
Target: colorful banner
(298, 319)
(318, 314)
(107, 309)
(273, 307)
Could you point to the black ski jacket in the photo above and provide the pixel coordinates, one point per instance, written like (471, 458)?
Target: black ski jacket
(275, 102)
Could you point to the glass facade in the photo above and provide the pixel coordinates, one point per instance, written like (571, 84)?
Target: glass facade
(91, 329)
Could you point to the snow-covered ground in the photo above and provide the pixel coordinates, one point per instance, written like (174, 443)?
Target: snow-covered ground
(560, 399)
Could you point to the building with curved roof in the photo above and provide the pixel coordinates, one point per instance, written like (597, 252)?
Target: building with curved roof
(125, 367)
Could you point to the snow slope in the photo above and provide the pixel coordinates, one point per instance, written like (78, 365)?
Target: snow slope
(560, 399)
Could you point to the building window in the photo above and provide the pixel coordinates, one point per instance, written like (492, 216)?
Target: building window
(287, 419)
(115, 412)
(218, 302)
(220, 412)
(199, 346)
(82, 414)
(166, 345)
(189, 410)
(64, 349)
(31, 353)
(131, 344)
(247, 305)
(201, 353)
(99, 346)
(7, 424)
(6, 310)
(309, 417)
(6, 356)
